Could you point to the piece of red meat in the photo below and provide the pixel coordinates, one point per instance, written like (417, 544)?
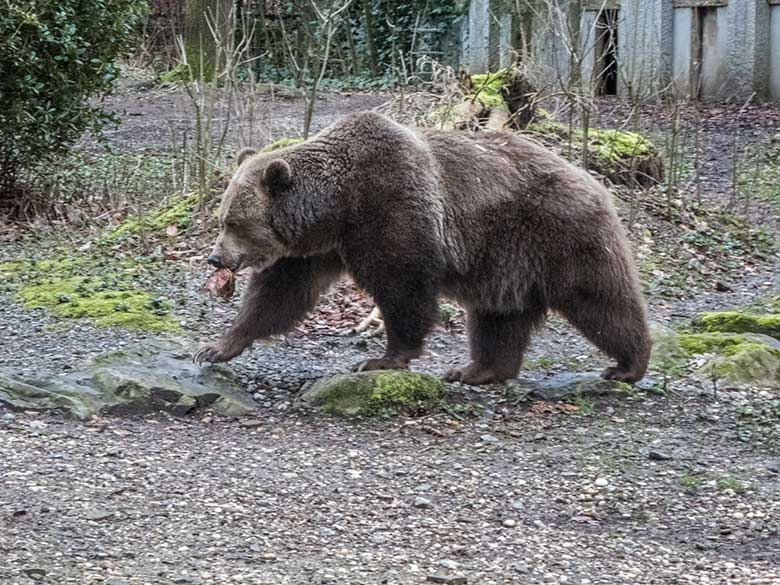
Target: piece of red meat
(221, 284)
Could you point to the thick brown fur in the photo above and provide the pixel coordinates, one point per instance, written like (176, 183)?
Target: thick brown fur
(492, 220)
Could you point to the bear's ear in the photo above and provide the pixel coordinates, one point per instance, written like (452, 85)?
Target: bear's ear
(277, 175)
(244, 154)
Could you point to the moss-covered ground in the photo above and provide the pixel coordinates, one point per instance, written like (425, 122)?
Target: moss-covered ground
(176, 212)
(100, 288)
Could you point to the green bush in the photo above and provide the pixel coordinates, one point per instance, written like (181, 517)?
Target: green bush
(55, 55)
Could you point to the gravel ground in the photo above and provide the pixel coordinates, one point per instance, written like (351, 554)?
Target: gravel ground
(648, 490)
(682, 487)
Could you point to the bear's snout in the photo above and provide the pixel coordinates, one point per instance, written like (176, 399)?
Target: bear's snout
(215, 260)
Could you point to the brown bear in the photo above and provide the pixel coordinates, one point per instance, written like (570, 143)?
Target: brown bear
(495, 221)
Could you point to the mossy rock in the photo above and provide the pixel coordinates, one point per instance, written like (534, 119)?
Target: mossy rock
(751, 359)
(707, 343)
(623, 157)
(487, 87)
(370, 394)
(738, 322)
(753, 364)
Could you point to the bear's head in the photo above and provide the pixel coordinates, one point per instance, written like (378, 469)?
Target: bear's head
(269, 211)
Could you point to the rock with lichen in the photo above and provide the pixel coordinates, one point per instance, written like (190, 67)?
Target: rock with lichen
(747, 359)
(158, 376)
(564, 386)
(379, 393)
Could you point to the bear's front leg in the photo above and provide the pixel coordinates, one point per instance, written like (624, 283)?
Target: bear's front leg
(275, 300)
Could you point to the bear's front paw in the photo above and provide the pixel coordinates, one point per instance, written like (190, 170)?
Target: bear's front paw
(381, 364)
(222, 351)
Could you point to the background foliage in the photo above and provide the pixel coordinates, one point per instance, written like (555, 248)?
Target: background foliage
(54, 56)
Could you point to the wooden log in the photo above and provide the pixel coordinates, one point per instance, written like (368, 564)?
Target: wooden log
(498, 119)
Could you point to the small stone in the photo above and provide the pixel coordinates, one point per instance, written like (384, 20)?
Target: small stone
(448, 564)
(251, 423)
(722, 287)
(35, 573)
(98, 514)
(658, 456)
(447, 580)
(509, 522)
(422, 503)
(601, 482)
(489, 439)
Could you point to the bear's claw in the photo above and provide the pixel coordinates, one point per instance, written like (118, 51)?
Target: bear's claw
(216, 353)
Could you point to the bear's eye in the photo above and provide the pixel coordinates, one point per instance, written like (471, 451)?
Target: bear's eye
(229, 224)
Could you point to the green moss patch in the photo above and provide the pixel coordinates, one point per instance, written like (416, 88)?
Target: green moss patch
(383, 393)
(177, 212)
(107, 294)
(709, 343)
(486, 87)
(738, 322)
(281, 143)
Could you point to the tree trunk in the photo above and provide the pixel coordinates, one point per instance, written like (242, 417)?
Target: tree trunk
(202, 51)
(373, 59)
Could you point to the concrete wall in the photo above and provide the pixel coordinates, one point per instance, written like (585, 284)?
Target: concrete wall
(588, 35)
(712, 75)
(747, 53)
(683, 28)
(477, 52)
(656, 45)
(645, 46)
(550, 62)
(774, 52)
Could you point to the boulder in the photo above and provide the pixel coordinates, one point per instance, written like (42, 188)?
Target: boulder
(140, 380)
(379, 393)
(743, 359)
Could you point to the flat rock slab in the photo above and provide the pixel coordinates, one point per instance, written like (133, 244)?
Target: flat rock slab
(562, 386)
(139, 380)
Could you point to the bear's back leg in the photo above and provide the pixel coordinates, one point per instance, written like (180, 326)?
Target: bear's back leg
(616, 324)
